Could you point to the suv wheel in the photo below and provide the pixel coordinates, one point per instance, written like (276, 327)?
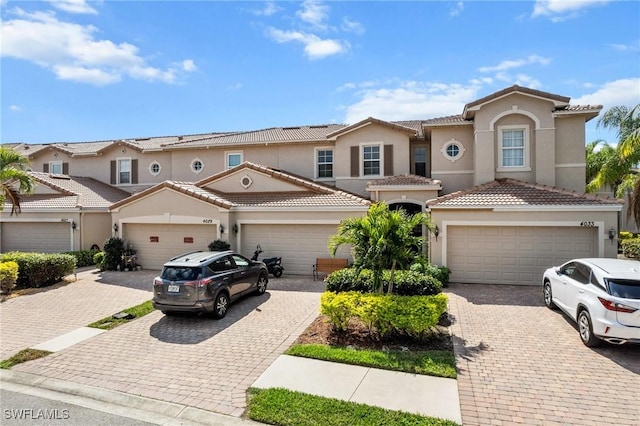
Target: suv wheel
(586, 330)
(548, 296)
(220, 305)
(261, 287)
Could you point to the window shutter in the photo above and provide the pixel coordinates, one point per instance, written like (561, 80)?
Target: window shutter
(388, 160)
(113, 173)
(134, 171)
(65, 168)
(355, 161)
(45, 168)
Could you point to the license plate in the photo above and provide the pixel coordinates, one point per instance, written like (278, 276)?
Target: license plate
(173, 289)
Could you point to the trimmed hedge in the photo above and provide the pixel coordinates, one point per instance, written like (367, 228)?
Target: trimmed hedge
(83, 257)
(405, 283)
(631, 248)
(40, 269)
(410, 315)
(8, 276)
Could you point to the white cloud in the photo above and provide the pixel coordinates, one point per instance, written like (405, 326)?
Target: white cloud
(15, 108)
(73, 6)
(314, 46)
(516, 63)
(270, 8)
(352, 26)
(619, 92)
(73, 53)
(411, 100)
(457, 9)
(314, 12)
(560, 10)
(635, 47)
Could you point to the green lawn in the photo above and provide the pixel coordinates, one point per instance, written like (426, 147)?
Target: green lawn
(431, 363)
(137, 311)
(288, 408)
(23, 356)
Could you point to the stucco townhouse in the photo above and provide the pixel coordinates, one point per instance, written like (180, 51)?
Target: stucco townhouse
(503, 182)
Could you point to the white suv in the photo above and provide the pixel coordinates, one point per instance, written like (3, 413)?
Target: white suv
(601, 295)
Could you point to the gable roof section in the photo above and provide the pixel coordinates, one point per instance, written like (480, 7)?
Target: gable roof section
(73, 193)
(369, 121)
(470, 108)
(515, 193)
(310, 194)
(404, 180)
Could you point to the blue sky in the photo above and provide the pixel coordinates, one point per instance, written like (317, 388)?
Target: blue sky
(76, 70)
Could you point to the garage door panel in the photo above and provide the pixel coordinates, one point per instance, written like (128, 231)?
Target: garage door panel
(42, 237)
(299, 245)
(513, 255)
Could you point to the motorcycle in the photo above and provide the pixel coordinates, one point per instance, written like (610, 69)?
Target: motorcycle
(274, 264)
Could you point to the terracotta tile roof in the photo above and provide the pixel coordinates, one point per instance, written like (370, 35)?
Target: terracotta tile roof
(89, 193)
(404, 180)
(510, 192)
(313, 194)
(449, 120)
(367, 121)
(45, 202)
(516, 88)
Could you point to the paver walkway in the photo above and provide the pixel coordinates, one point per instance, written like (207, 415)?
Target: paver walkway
(521, 363)
(191, 360)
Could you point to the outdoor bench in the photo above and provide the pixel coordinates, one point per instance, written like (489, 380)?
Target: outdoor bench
(327, 266)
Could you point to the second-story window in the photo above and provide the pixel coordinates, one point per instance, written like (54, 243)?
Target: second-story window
(233, 159)
(324, 163)
(55, 167)
(513, 148)
(371, 160)
(420, 161)
(124, 171)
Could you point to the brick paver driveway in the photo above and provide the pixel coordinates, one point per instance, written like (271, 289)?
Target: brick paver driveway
(192, 360)
(521, 363)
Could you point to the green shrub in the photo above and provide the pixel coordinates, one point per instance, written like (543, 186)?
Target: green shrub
(8, 276)
(219, 245)
(409, 315)
(625, 235)
(83, 257)
(406, 283)
(40, 269)
(98, 260)
(631, 248)
(441, 273)
(113, 251)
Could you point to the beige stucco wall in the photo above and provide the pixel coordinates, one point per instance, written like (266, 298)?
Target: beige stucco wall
(94, 228)
(604, 220)
(371, 134)
(570, 159)
(260, 183)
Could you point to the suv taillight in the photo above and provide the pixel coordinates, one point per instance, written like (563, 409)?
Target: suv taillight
(617, 307)
(198, 283)
(157, 281)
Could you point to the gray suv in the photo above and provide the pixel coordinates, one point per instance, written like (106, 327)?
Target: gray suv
(207, 282)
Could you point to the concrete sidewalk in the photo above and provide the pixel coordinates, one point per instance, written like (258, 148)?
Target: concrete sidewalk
(413, 393)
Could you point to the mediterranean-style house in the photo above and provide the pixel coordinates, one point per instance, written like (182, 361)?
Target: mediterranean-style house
(503, 182)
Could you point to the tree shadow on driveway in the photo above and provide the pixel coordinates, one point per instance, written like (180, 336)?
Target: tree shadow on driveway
(191, 329)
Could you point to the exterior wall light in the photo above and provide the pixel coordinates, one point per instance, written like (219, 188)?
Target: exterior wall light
(115, 227)
(221, 228)
(612, 235)
(436, 232)
(73, 225)
(235, 228)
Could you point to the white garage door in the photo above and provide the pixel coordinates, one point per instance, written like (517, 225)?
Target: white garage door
(513, 255)
(298, 245)
(157, 243)
(47, 237)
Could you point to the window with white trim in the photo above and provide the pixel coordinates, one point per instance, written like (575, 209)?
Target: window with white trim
(453, 150)
(514, 147)
(124, 171)
(371, 160)
(55, 167)
(233, 159)
(324, 163)
(197, 166)
(155, 168)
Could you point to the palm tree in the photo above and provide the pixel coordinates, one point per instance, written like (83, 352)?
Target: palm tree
(14, 178)
(380, 240)
(617, 169)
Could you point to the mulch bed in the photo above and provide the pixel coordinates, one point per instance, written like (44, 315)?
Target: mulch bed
(358, 336)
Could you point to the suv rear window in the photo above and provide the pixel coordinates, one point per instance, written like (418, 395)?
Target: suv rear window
(181, 273)
(628, 289)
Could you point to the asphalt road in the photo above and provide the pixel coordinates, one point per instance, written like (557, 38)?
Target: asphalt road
(23, 409)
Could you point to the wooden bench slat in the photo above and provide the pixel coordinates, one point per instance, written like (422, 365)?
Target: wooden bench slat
(328, 265)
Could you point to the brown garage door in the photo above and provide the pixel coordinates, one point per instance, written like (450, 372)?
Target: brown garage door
(43, 237)
(513, 255)
(298, 245)
(157, 243)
